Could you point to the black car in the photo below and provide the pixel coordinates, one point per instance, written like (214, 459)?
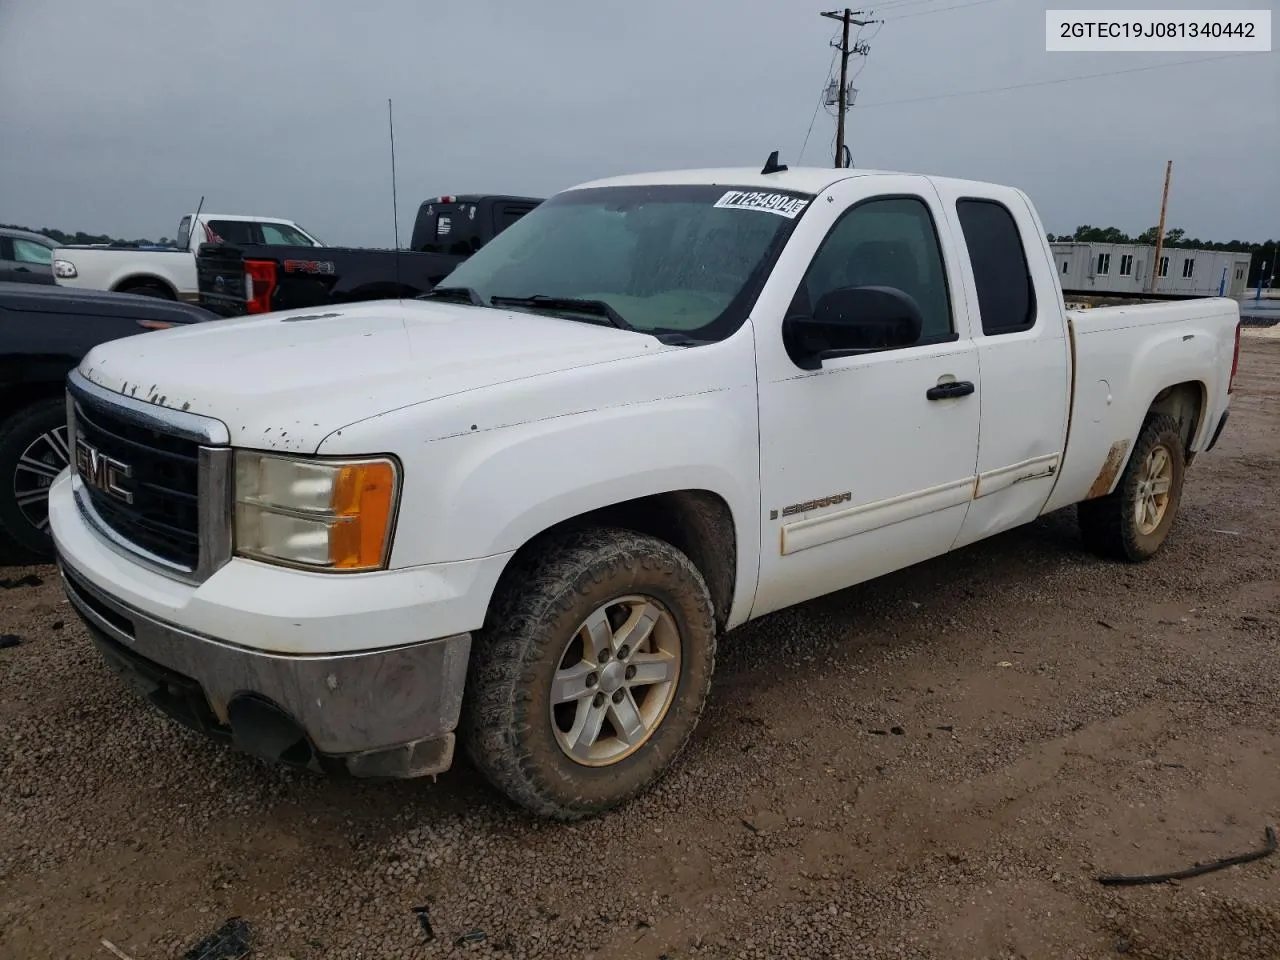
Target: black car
(44, 333)
(238, 278)
(26, 257)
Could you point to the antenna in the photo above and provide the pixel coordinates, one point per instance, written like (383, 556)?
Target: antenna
(194, 221)
(772, 165)
(395, 207)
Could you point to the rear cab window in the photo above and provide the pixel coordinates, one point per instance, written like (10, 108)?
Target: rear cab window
(448, 226)
(234, 231)
(1001, 271)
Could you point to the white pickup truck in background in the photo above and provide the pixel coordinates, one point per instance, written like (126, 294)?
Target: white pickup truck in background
(169, 272)
(524, 508)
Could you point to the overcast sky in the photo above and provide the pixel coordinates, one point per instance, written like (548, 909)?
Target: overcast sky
(117, 115)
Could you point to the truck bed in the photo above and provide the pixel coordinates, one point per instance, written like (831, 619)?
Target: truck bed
(1115, 351)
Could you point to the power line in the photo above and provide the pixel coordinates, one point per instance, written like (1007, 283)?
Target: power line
(822, 96)
(1047, 83)
(896, 4)
(932, 10)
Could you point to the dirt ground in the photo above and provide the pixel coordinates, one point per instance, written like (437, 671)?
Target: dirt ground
(935, 765)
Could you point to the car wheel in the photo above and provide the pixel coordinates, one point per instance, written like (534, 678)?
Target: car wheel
(149, 290)
(591, 674)
(33, 451)
(1133, 521)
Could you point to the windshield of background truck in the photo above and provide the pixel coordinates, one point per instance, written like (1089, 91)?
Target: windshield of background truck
(284, 235)
(687, 258)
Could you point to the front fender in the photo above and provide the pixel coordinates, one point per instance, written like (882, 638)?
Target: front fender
(487, 471)
(494, 491)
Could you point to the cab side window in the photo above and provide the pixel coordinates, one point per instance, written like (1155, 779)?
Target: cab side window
(890, 242)
(27, 251)
(1006, 293)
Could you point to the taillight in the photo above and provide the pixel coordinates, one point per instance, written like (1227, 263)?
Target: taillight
(1235, 362)
(259, 285)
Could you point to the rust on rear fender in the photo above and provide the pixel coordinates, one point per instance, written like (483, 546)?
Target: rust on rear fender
(1110, 469)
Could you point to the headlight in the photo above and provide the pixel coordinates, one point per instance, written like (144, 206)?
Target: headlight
(65, 269)
(320, 514)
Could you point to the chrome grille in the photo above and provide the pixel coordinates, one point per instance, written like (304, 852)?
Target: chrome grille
(154, 481)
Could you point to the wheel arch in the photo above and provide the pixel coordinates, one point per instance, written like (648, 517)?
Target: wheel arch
(1186, 403)
(134, 280)
(699, 523)
(17, 396)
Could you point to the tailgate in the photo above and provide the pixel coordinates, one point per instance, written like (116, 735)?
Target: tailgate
(220, 279)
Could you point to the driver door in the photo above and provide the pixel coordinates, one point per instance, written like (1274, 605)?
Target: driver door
(866, 467)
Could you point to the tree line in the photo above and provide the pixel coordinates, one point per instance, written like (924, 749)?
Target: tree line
(80, 237)
(1263, 253)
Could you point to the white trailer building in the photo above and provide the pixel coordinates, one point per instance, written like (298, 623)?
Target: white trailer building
(1126, 268)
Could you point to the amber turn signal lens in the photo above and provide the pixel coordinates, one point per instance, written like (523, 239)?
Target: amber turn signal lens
(363, 498)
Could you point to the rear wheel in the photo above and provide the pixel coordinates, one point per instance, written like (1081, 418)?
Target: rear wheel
(1133, 521)
(149, 290)
(592, 673)
(33, 451)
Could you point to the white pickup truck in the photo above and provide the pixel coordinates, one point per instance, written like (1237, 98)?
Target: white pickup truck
(524, 508)
(169, 272)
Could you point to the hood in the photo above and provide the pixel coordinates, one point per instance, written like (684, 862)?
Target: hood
(286, 380)
(86, 302)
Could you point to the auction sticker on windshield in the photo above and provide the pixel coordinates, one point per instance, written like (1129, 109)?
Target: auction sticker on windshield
(784, 205)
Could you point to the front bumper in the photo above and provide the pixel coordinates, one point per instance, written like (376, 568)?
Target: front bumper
(375, 713)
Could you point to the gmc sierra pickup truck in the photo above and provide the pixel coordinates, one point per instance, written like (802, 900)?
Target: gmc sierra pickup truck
(523, 512)
(239, 278)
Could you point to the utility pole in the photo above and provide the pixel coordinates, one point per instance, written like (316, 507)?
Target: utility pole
(846, 18)
(1164, 203)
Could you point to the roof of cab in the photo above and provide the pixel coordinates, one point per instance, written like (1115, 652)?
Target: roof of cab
(811, 180)
(802, 179)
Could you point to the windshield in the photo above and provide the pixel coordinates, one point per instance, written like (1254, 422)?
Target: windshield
(675, 258)
(284, 235)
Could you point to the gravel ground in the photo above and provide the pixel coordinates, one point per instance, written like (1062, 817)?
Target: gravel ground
(938, 764)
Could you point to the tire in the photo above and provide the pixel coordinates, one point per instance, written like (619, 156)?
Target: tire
(1111, 525)
(33, 450)
(536, 641)
(148, 290)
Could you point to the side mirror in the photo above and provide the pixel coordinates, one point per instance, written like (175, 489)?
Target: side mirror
(853, 320)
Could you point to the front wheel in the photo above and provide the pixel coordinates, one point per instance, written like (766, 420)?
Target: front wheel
(592, 673)
(1133, 521)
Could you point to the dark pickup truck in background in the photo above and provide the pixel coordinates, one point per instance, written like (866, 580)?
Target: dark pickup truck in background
(44, 333)
(236, 279)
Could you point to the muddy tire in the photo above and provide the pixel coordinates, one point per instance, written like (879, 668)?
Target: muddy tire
(1132, 522)
(591, 673)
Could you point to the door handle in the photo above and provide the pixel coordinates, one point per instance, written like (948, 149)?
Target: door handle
(21, 270)
(946, 391)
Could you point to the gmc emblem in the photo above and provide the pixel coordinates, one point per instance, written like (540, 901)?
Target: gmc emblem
(101, 472)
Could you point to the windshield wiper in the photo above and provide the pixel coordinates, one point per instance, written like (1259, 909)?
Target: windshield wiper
(463, 294)
(674, 338)
(540, 300)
